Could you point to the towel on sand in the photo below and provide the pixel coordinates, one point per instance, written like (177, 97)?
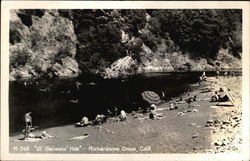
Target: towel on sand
(80, 137)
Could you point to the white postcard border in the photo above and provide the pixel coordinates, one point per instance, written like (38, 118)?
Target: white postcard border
(7, 5)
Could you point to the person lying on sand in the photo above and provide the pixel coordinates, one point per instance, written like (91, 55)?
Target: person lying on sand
(44, 135)
(83, 122)
(180, 100)
(123, 115)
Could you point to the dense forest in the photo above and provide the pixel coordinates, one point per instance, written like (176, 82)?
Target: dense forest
(116, 43)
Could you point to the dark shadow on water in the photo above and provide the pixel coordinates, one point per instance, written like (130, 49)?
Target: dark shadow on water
(53, 107)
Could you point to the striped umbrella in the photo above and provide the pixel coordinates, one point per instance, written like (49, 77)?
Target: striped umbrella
(151, 97)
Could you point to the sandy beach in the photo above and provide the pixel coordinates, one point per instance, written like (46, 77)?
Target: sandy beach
(203, 128)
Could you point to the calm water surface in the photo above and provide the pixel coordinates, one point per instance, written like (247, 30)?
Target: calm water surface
(54, 107)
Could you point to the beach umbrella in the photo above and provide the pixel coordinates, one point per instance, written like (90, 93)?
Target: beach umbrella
(151, 97)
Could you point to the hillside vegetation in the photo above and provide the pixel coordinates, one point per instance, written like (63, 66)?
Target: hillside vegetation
(116, 43)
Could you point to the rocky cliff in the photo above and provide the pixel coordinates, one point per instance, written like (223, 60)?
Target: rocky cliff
(117, 43)
(41, 44)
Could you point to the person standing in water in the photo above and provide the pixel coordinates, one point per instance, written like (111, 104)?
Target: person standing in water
(204, 77)
(217, 74)
(78, 84)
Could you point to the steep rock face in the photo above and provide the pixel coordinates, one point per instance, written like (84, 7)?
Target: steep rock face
(34, 49)
(68, 67)
(227, 61)
(153, 62)
(120, 68)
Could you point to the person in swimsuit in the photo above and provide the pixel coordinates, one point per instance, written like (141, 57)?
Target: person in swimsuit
(28, 123)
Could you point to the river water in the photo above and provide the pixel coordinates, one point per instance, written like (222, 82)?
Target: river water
(50, 101)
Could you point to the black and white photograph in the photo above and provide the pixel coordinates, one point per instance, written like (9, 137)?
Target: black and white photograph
(154, 80)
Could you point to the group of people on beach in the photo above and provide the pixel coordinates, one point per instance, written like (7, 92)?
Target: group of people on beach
(29, 128)
(100, 118)
(122, 115)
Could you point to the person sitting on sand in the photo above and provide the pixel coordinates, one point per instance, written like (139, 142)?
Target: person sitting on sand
(189, 100)
(99, 119)
(83, 122)
(226, 74)
(153, 114)
(152, 107)
(123, 115)
(173, 106)
(220, 96)
(223, 96)
(215, 97)
(194, 98)
(152, 110)
(231, 73)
